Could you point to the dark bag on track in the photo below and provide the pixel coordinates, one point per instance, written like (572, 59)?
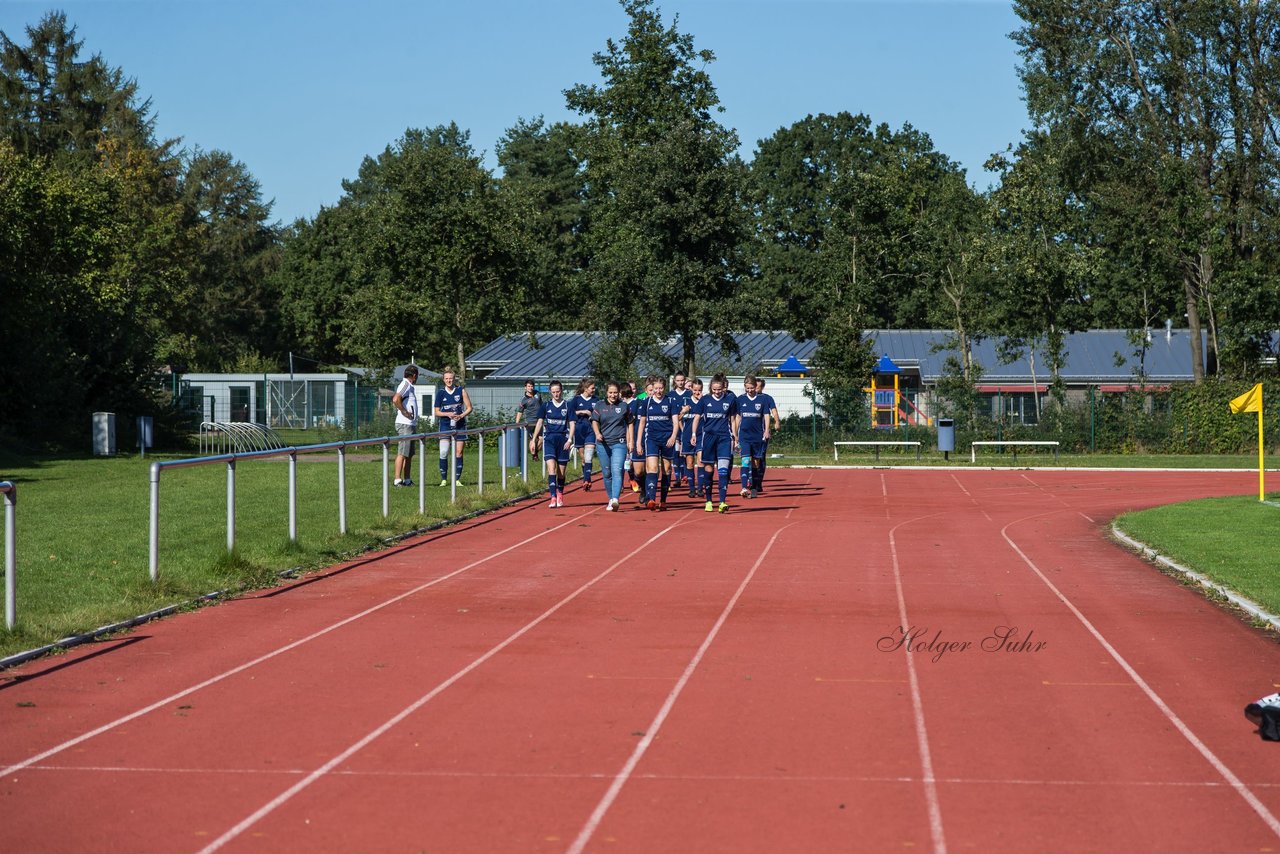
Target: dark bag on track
(1265, 715)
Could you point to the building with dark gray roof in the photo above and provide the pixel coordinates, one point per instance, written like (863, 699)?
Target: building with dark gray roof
(1106, 360)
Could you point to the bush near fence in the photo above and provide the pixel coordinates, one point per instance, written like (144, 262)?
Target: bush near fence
(1187, 419)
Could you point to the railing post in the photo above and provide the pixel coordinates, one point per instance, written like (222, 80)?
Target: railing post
(422, 476)
(452, 468)
(231, 505)
(524, 455)
(154, 561)
(386, 488)
(502, 454)
(342, 489)
(293, 496)
(480, 463)
(10, 554)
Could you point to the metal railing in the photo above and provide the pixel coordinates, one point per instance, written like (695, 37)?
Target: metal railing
(341, 447)
(10, 491)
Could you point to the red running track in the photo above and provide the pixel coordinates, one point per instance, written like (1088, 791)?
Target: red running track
(578, 680)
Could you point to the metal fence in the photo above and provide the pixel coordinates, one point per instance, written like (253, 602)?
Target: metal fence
(231, 459)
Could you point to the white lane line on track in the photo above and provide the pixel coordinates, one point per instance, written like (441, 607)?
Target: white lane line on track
(917, 705)
(327, 767)
(213, 680)
(651, 732)
(748, 778)
(1226, 773)
(981, 509)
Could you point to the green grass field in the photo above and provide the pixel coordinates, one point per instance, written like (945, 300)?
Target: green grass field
(83, 527)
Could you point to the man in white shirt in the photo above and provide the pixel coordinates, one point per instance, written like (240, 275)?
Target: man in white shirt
(405, 401)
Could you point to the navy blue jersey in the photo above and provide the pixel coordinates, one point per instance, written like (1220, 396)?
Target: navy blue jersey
(753, 411)
(769, 403)
(555, 419)
(660, 416)
(583, 421)
(635, 405)
(451, 403)
(716, 414)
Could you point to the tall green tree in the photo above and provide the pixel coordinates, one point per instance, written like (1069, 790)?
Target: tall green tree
(663, 245)
(1169, 106)
(234, 315)
(53, 102)
(542, 175)
(441, 256)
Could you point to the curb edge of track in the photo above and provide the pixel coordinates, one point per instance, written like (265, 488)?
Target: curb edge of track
(1253, 609)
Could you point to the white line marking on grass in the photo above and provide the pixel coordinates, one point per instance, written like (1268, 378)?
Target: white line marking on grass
(922, 734)
(213, 680)
(324, 769)
(651, 732)
(1232, 780)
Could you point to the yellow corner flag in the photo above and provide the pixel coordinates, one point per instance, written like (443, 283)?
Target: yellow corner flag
(1250, 401)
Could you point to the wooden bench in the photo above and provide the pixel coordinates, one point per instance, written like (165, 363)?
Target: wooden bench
(877, 446)
(973, 448)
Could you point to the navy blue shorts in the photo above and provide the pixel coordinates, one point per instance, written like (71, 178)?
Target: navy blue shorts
(715, 448)
(753, 448)
(658, 449)
(553, 448)
(582, 438)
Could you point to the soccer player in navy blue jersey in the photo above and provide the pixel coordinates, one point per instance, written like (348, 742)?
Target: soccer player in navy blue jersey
(717, 414)
(689, 440)
(584, 438)
(659, 422)
(637, 449)
(452, 406)
(771, 406)
(680, 389)
(753, 431)
(556, 427)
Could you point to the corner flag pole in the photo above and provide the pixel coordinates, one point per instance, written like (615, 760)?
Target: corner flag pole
(1261, 493)
(1251, 401)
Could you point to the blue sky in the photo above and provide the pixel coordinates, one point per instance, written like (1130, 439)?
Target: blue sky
(300, 92)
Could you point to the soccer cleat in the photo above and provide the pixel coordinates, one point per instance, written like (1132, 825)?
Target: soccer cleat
(651, 504)
(586, 486)
(751, 494)
(744, 492)
(723, 508)
(444, 483)
(710, 507)
(397, 482)
(662, 505)
(693, 494)
(458, 482)
(559, 501)
(635, 487)
(407, 482)
(552, 503)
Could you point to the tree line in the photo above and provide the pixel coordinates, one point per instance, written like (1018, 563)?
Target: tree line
(1145, 190)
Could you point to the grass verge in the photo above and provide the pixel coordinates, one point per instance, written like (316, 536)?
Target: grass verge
(82, 531)
(1231, 540)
